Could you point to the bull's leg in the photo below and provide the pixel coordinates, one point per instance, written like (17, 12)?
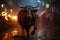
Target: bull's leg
(27, 30)
(33, 32)
(28, 33)
(23, 32)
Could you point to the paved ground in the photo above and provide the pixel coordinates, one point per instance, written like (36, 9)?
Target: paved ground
(39, 32)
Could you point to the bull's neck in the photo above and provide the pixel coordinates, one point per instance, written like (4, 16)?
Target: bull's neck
(29, 10)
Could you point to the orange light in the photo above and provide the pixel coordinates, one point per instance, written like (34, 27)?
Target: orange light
(9, 15)
(4, 13)
(11, 10)
(6, 35)
(6, 18)
(14, 32)
(14, 17)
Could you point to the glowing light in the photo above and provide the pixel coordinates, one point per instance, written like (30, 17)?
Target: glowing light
(4, 13)
(6, 35)
(47, 5)
(11, 10)
(5, 10)
(38, 0)
(42, 13)
(14, 17)
(9, 15)
(2, 5)
(14, 32)
(6, 18)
